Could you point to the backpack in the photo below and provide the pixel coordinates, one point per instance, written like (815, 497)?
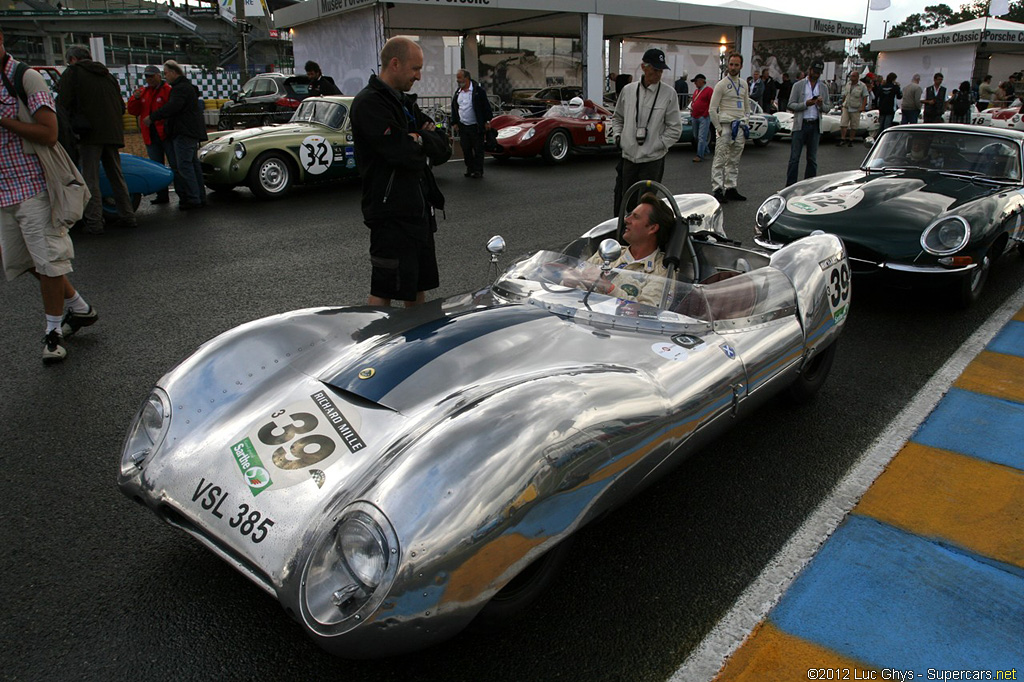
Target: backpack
(961, 103)
(65, 136)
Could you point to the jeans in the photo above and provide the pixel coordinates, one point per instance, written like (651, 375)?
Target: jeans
(807, 136)
(155, 152)
(910, 116)
(629, 173)
(885, 121)
(471, 138)
(109, 155)
(703, 129)
(188, 173)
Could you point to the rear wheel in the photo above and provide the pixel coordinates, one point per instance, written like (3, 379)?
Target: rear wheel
(556, 147)
(813, 375)
(271, 176)
(761, 142)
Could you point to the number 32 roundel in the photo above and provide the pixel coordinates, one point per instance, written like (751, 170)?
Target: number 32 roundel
(822, 203)
(316, 154)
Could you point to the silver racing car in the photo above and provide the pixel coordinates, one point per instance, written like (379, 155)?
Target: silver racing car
(389, 475)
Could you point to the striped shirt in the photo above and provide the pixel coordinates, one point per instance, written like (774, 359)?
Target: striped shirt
(21, 174)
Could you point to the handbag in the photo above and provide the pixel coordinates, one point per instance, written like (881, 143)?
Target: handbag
(64, 183)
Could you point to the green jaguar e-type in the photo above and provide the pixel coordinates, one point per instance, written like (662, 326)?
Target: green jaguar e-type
(930, 204)
(315, 146)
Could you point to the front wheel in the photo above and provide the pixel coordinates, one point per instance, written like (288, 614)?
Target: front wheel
(524, 589)
(556, 147)
(271, 176)
(970, 286)
(761, 142)
(813, 375)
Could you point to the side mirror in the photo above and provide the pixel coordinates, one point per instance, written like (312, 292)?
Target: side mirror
(496, 245)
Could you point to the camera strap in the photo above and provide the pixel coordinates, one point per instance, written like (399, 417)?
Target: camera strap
(655, 101)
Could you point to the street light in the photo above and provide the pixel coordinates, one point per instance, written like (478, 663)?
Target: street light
(885, 28)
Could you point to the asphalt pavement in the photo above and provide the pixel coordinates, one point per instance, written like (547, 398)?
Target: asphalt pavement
(99, 589)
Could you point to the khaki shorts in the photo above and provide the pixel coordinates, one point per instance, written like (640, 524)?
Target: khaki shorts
(30, 241)
(850, 119)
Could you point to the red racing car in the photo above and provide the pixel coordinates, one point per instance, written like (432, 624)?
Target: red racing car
(580, 126)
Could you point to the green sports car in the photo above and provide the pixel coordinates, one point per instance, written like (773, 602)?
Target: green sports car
(315, 146)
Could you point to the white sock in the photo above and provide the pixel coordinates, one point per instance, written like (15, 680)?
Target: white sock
(77, 303)
(53, 322)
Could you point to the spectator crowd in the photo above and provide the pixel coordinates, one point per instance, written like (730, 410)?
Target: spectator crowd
(396, 147)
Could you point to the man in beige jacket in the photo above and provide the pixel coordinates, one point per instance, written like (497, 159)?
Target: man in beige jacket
(730, 106)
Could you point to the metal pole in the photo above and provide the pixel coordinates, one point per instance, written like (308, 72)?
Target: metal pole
(243, 51)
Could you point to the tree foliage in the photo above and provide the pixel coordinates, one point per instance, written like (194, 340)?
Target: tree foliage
(937, 16)
(796, 55)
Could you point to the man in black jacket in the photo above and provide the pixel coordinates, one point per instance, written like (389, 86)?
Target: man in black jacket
(395, 145)
(471, 118)
(319, 84)
(185, 131)
(92, 97)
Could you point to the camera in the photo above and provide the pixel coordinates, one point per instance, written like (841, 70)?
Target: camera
(641, 135)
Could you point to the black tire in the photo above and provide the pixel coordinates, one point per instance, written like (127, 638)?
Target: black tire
(217, 187)
(110, 207)
(223, 124)
(557, 146)
(813, 375)
(970, 286)
(271, 176)
(1020, 248)
(761, 142)
(267, 121)
(523, 589)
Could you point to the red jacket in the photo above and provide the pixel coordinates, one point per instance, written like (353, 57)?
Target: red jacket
(700, 102)
(151, 100)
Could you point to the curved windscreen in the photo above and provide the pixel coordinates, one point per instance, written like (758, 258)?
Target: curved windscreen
(580, 288)
(947, 150)
(330, 114)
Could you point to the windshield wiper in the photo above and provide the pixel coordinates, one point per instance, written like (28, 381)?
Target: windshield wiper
(887, 169)
(973, 175)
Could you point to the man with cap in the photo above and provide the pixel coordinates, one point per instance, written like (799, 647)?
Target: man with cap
(808, 100)
(144, 101)
(729, 109)
(645, 125)
(699, 115)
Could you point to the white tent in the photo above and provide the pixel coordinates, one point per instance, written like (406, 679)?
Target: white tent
(965, 51)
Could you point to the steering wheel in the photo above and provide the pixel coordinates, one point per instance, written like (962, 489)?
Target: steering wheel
(680, 230)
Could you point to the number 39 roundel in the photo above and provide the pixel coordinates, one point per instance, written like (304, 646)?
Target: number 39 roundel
(316, 154)
(821, 203)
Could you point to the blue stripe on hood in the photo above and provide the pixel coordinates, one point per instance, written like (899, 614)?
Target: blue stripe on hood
(401, 355)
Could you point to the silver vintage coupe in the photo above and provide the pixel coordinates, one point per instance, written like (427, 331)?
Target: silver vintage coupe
(390, 475)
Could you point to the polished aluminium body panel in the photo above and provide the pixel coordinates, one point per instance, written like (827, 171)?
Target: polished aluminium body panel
(487, 431)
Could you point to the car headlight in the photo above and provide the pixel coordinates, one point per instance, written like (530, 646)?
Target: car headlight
(350, 569)
(212, 148)
(530, 133)
(147, 431)
(946, 235)
(769, 211)
(239, 151)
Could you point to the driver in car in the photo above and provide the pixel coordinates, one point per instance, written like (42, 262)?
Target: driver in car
(648, 228)
(919, 153)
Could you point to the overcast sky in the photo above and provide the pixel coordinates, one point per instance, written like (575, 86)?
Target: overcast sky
(854, 11)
